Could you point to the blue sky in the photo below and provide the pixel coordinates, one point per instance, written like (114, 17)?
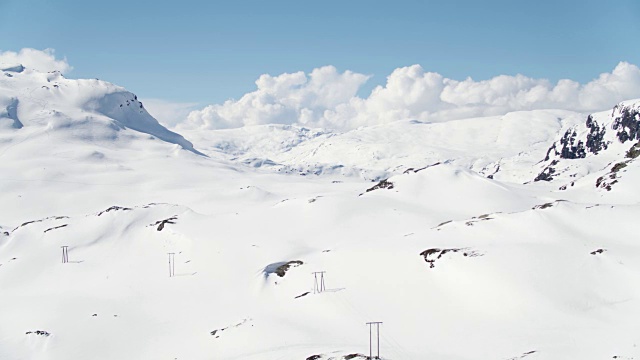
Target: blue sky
(209, 51)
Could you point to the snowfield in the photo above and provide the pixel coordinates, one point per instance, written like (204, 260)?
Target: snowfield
(447, 233)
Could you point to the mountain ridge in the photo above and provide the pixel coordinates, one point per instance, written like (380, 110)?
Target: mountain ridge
(29, 98)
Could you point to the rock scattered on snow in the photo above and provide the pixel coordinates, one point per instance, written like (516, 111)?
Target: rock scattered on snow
(281, 268)
(431, 255)
(38, 332)
(114, 208)
(161, 223)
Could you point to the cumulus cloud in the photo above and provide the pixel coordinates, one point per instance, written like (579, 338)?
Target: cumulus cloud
(168, 113)
(327, 98)
(287, 98)
(42, 60)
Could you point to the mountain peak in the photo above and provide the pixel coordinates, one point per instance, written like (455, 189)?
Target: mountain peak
(32, 99)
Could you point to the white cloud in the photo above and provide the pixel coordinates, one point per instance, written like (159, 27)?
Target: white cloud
(168, 113)
(327, 98)
(287, 98)
(42, 60)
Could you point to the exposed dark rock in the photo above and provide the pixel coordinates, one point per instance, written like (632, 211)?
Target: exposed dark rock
(413, 170)
(483, 217)
(301, 295)
(217, 331)
(38, 332)
(355, 356)
(543, 206)
(114, 208)
(314, 357)
(608, 180)
(570, 148)
(161, 223)
(431, 255)
(553, 147)
(444, 223)
(634, 151)
(596, 252)
(523, 355)
(547, 173)
(41, 220)
(384, 184)
(281, 268)
(56, 227)
(619, 166)
(627, 123)
(595, 137)
(27, 223)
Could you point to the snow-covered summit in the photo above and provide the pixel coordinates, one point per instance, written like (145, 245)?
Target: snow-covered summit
(88, 109)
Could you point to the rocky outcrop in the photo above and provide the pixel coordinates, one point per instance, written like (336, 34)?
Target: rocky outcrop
(595, 136)
(626, 123)
(384, 184)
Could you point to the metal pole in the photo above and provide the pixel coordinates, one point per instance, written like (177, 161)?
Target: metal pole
(370, 351)
(378, 333)
(172, 264)
(318, 286)
(315, 283)
(377, 323)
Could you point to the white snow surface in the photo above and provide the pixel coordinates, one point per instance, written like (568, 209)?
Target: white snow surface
(457, 265)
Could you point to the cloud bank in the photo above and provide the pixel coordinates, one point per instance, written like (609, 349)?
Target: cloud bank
(41, 60)
(327, 98)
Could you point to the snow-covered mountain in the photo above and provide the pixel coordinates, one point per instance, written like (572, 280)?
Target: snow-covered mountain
(494, 145)
(91, 110)
(452, 246)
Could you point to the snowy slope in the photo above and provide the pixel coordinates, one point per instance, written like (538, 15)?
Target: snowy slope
(509, 284)
(502, 146)
(91, 110)
(457, 251)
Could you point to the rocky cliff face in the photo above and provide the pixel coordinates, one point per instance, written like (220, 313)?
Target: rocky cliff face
(607, 139)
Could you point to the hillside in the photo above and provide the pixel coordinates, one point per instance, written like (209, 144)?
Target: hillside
(437, 230)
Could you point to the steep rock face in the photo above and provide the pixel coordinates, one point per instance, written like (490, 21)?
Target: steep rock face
(604, 133)
(626, 122)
